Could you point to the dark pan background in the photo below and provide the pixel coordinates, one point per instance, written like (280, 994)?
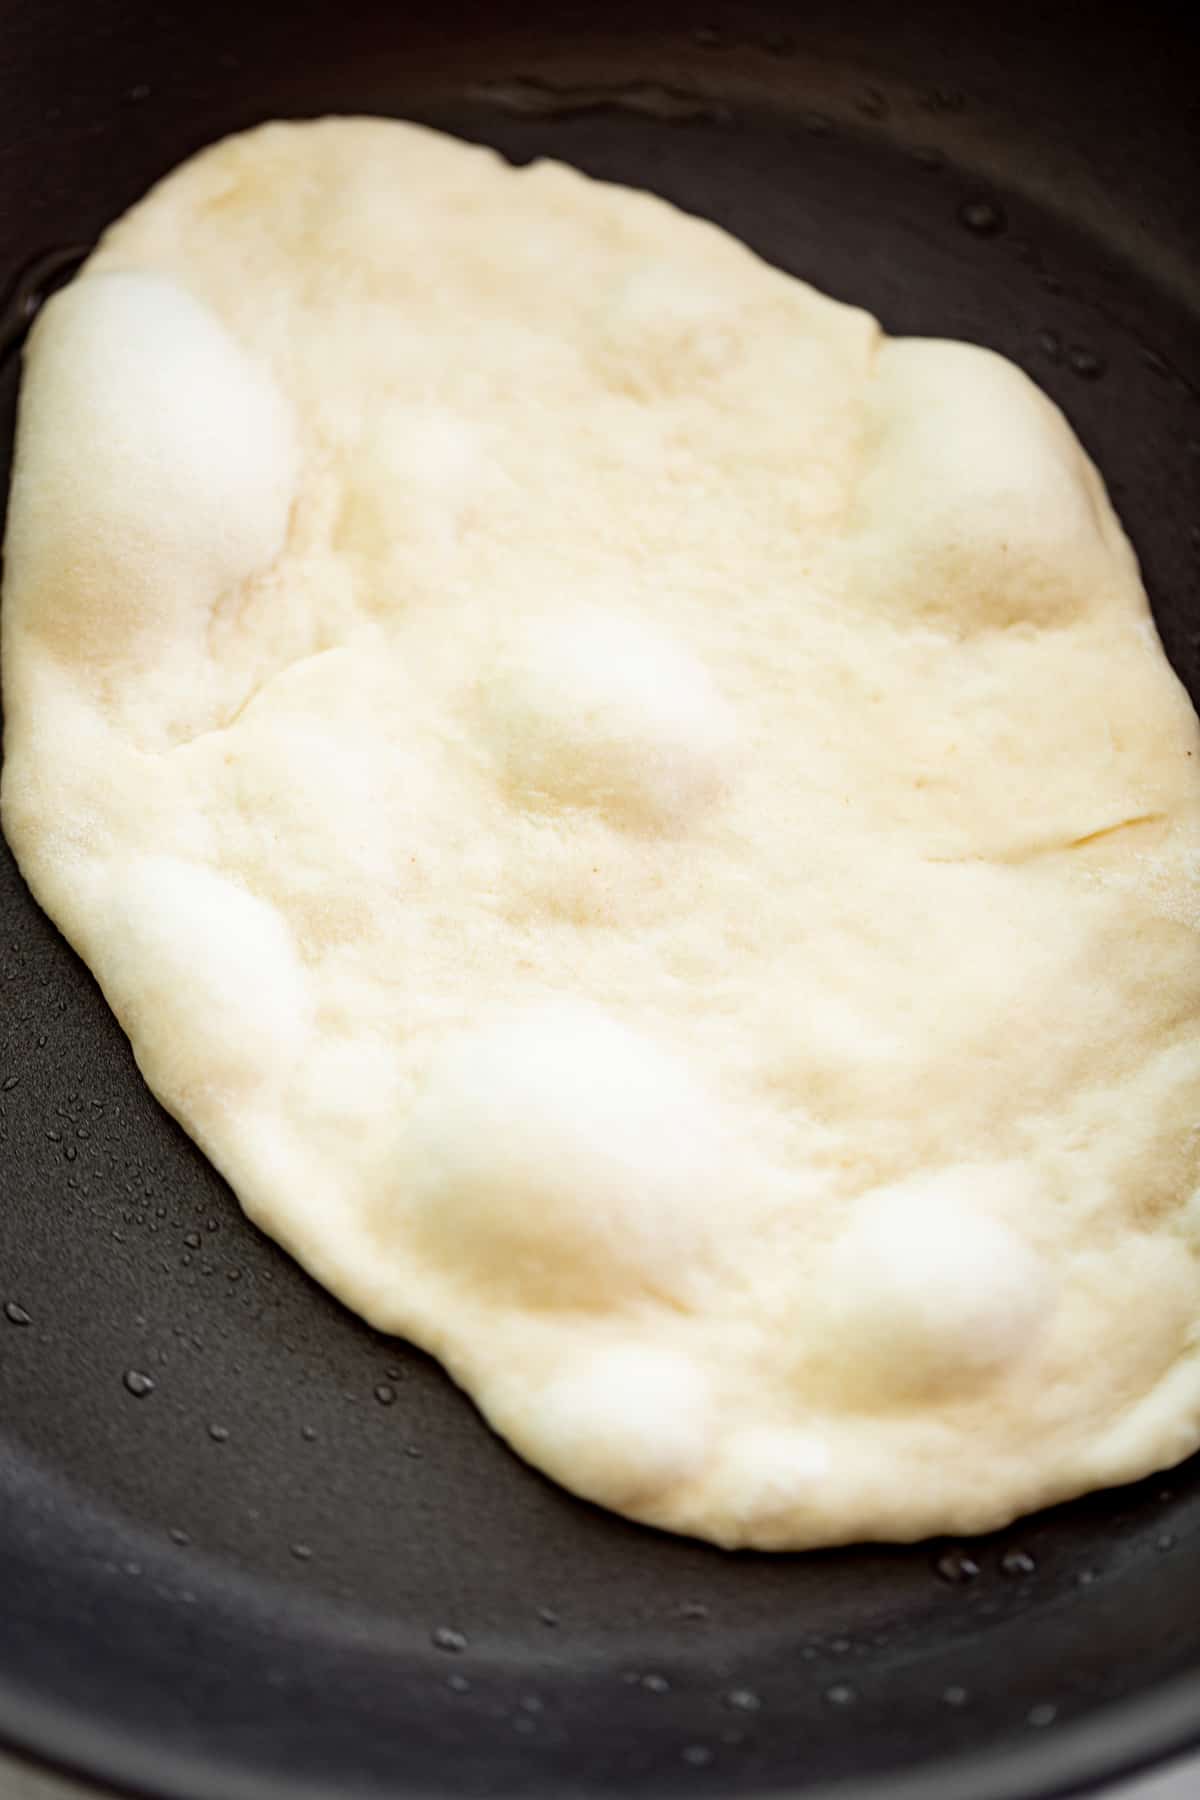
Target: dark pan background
(235, 1585)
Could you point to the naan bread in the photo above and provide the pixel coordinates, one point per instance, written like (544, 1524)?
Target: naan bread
(643, 826)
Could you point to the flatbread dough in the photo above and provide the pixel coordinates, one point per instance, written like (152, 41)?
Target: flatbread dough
(643, 826)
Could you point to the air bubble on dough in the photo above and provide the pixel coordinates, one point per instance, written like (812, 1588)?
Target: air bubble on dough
(417, 470)
(558, 1158)
(596, 709)
(155, 460)
(627, 1424)
(978, 508)
(774, 1469)
(931, 1288)
(228, 960)
(668, 329)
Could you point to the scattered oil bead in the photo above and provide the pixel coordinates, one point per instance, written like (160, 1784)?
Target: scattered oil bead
(1085, 362)
(957, 1567)
(983, 217)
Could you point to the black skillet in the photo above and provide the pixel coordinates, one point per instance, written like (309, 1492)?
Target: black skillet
(300, 1565)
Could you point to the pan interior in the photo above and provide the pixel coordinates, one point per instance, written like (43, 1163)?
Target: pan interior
(245, 1542)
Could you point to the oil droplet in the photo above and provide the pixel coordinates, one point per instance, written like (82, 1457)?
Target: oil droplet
(219, 1433)
(743, 1700)
(1050, 344)
(957, 1567)
(16, 1314)
(12, 1081)
(138, 1384)
(446, 1638)
(840, 1646)
(1018, 1563)
(983, 217)
(385, 1393)
(873, 104)
(1155, 362)
(656, 1684)
(1085, 362)
(817, 124)
(178, 1536)
(302, 1552)
(458, 1684)
(1166, 1541)
(693, 1609)
(532, 1703)
(955, 1696)
(697, 1756)
(309, 1433)
(548, 1616)
(1041, 1716)
(415, 1451)
(841, 1694)
(1086, 1577)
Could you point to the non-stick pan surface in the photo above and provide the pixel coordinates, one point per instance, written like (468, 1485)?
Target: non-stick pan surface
(249, 1548)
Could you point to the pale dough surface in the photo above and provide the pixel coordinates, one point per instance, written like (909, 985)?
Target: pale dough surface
(643, 825)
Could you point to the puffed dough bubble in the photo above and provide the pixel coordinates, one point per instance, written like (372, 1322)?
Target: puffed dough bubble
(226, 955)
(558, 1159)
(976, 510)
(774, 1471)
(623, 1426)
(597, 709)
(158, 462)
(930, 1290)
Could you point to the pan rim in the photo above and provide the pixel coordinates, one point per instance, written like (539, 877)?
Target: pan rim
(1121, 1741)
